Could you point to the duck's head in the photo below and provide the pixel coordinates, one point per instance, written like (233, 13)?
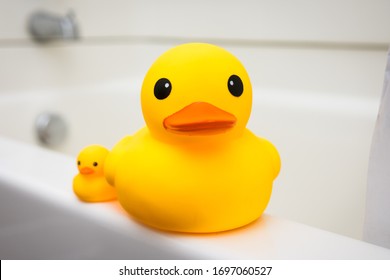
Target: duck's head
(196, 90)
(90, 160)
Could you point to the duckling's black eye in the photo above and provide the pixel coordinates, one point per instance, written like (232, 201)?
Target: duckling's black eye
(78, 162)
(95, 164)
(235, 85)
(162, 88)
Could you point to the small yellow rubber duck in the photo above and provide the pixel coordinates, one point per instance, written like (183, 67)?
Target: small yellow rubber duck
(90, 184)
(194, 167)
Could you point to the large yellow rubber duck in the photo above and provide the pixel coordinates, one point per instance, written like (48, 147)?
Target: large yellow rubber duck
(90, 184)
(194, 167)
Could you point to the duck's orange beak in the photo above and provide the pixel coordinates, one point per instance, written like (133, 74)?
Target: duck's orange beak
(200, 118)
(86, 170)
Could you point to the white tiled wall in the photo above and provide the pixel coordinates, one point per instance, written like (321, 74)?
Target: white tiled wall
(333, 46)
(355, 21)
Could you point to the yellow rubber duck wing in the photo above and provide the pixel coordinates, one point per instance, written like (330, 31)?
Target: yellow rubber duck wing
(274, 155)
(113, 159)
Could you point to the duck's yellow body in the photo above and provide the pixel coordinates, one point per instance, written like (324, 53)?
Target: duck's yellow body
(93, 188)
(194, 167)
(201, 187)
(90, 184)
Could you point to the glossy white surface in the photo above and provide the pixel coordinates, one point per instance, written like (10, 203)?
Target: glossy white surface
(377, 223)
(42, 219)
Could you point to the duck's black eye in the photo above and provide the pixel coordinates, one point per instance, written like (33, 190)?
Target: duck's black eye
(78, 162)
(162, 88)
(235, 85)
(95, 164)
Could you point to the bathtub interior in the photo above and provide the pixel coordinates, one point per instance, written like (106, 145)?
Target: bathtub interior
(323, 141)
(100, 114)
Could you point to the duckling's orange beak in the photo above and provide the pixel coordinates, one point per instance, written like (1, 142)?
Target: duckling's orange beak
(86, 170)
(200, 118)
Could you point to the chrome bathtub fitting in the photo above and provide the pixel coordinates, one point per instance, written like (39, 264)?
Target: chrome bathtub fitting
(51, 129)
(45, 27)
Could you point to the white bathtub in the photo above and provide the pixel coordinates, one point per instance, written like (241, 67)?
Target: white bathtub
(323, 141)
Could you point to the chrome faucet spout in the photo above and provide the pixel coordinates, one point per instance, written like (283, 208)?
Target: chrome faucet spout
(45, 27)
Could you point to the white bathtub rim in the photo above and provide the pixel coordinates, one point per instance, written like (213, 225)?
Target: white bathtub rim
(270, 235)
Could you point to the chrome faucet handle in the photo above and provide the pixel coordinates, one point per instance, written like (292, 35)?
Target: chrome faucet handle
(51, 129)
(44, 26)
